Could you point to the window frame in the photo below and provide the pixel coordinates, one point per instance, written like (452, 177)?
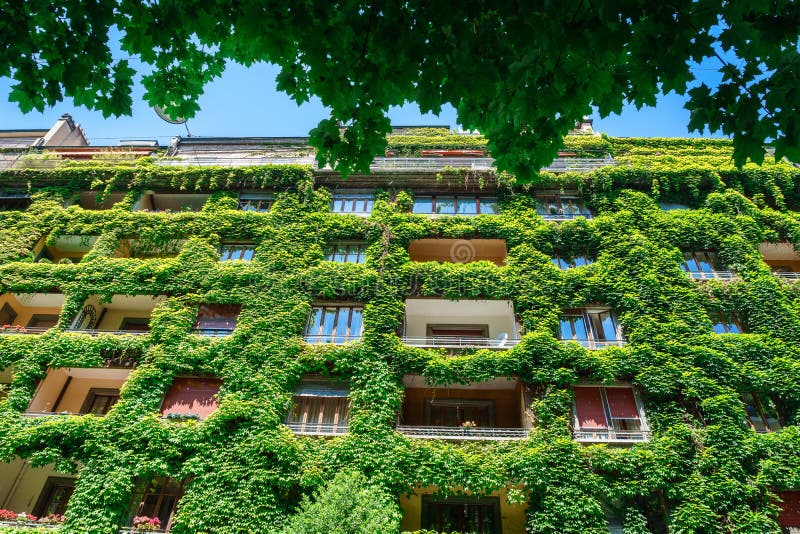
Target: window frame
(726, 320)
(339, 200)
(331, 251)
(160, 494)
(93, 394)
(51, 485)
(547, 201)
(590, 317)
(478, 200)
(610, 420)
(245, 201)
(333, 336)
(12, 314)
(228, 248)
(429, 514)
(557, 259)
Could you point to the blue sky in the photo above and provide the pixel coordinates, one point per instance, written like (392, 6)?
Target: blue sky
(244, 102)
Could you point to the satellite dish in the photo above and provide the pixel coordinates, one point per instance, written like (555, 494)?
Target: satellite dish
(163, 114)
(178, 120)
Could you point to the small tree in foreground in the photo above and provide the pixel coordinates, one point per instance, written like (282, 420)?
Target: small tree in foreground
(348, 504)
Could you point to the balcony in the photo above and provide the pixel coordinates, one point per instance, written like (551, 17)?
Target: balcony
(39, 491)
(494, 514)
(29, 313)
(385, 164)
(782, 260)
(77, 391)
(554, 206)
(609, 414)
(458, 250)
(460, 324)
(125, 314)
(88, 200)
(191, 398)
(170, 202)
(67, 249)
(490, 410)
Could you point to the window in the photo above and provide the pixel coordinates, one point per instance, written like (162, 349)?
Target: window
(232, 252)
(217, 319)
(54, 496)
(557, 207)
(342, 252)
(461, 514)
(703, 264)
(563, 261)
(670, 206)
(726, 323)
(260, 202)
(99, 401)
(42, 321)
(135, 324)
(347, 202)
(590, 328)
(454, 412)
(195, 396)
(14, 201)
(761, 413)
(607, 413)
(334, 324)
(320, 407)
(455, 205)
(159, 500)
(7, 315)
(789, 516)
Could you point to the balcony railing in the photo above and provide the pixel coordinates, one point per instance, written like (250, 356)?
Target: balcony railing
(460, 433)
(389, 164)
(47, 414)
(564, 216)
(213, 332)
(24, 330)
(312, 429)
(329, 338)
(95, 332)
(787, 275)
(592, 344)
(459, 342)
(29, 525)
(604, 435)
(712, 275)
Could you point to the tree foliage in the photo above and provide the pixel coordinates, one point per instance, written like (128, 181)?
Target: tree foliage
(348, 504)
(522, 75)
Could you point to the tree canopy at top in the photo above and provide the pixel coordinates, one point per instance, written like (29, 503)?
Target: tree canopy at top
(520, 72)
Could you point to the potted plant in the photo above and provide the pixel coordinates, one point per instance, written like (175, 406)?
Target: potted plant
(468, 425)
(143, 523)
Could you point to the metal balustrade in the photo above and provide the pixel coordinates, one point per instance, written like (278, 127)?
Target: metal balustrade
(329, 338)
(712, 275)
(94, 332)
(386, 164)
(459, 342)
(592, 344)
(787, 275)
(610, 436)
(21, 526)
(213, 332)
(24, 330)
(318, 429)
(461, 433)
(47, 414)
(564, 216)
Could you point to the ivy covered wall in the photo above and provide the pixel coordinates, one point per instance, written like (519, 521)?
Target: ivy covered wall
(703, 469)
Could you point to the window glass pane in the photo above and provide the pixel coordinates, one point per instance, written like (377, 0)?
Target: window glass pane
(733, 328)
(560, 262)
(342, 323)
(608, 326)
(720, 327)
(314, 324)
(341, 253)
(705, 262)
(248, 254)
(580, 261)
(423, 205)
(356, 325)
(753, 415)
(446, 205)
(467, 205)
(328, 322)
(489, 205)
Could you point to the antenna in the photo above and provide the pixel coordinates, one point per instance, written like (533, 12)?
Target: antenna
(178, 120)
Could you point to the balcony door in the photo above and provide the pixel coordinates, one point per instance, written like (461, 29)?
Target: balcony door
(463, 515)
(454, 412)
(54, 497)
